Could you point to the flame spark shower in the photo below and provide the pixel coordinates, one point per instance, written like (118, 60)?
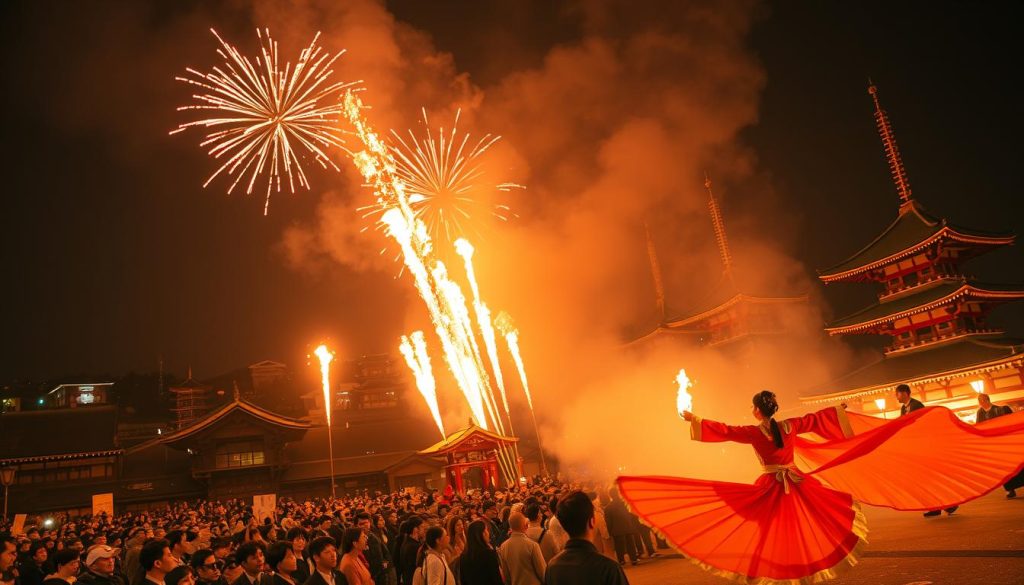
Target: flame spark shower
(326, 357)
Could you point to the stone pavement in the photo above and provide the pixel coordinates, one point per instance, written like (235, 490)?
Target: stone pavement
(982, 543)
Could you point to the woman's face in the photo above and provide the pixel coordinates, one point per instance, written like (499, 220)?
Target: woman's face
(444, 541)
(756, 413)
(361, 543)
(460, 526)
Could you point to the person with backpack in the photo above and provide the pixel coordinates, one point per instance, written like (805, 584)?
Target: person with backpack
(538, 533)
(431, 569)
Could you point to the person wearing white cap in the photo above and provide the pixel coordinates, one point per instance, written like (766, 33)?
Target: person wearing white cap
(99, 564)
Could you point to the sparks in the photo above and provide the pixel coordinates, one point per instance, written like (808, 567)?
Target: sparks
(414, 349)
(443, 175)
(263, 112)
(684, 401)
(325, 356)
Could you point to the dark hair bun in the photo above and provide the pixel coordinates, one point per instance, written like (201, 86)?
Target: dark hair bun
(765, 402)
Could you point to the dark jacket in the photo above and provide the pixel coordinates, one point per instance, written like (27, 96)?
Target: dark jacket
(620, 522)
(482, 569)
(983, 416)
(408, 559)
(91, 578)
(317, 579)
(31, 574)
(579, 563)
(377, 556)
(911, 406)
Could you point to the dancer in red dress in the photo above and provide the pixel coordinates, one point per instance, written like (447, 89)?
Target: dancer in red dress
(790, 528)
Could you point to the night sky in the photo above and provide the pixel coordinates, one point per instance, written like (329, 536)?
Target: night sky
(113, 254)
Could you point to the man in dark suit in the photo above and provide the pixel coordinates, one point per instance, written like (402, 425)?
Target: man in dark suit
(909, 406)
(250, 557)
(989, 411)
(281, 559)
(378, 557)
(413, 529)
(579, 563)
(325, 557)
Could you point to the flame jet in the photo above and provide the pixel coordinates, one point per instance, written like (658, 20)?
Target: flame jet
(414, 349)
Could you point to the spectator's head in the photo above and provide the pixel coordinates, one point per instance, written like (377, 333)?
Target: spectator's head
(8, 553)
(490, 509)
(299, 538)
(478, 537)
(903, 394)
(363, 522)
(517, 522)
(354, 539)
(281, 557)
(67, 562)
(100, 559)
(181, 575)
(532, 512)
(324, 552)
(576, 514)
(232, 568)
(156, 557)
(435, 538)
(38, 552)
(250, 556)
(206, 565)
(221, 548)
(415, 527)
(984, 401)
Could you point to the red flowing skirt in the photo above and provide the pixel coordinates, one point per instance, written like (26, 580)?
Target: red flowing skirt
(753, 534)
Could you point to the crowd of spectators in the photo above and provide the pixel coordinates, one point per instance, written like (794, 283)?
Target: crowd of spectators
(547, 531)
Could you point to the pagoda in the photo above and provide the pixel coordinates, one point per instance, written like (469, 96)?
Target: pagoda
(936, 317)
(730, 313)
(191, 401)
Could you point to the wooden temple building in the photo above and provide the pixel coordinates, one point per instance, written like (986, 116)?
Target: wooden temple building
(731, 313)
(472, 459)
(936, 317)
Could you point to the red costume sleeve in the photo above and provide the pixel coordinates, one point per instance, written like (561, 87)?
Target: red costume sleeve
(709, 431)
(829, 424)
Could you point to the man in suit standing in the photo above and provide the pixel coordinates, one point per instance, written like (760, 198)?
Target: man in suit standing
(377, 556)
(989, 411)
(325, 557)
(250, 557)
(579, 563)
(282, 561)
(909, 406)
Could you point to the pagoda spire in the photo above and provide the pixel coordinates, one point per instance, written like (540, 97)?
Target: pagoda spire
(892, 151)
(659, 286)
(719, 225)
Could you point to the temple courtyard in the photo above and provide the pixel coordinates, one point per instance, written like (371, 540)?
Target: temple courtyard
(981, 543)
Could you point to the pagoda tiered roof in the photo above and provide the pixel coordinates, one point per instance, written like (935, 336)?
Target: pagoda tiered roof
(921, 299)
(913, 231)
(963, 356)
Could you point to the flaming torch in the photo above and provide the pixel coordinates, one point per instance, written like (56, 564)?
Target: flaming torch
(684, 400)
(326, 357)
(414, 349)
(504, 324)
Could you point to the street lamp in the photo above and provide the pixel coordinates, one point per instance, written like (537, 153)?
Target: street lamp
(7, 478)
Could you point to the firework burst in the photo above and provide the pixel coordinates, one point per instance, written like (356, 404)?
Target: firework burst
(262, 114)
(443, 174)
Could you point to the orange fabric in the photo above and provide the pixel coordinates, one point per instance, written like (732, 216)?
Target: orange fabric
(926, 460)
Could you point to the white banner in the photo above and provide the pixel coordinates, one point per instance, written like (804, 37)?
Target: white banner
(264, 506)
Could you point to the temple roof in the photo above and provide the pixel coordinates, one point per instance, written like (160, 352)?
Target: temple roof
(930, 296)
(223, 412)
(912, 231)
(66, 433)
(462, 436)
(958, 357)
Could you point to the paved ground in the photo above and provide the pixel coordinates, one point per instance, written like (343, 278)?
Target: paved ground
(982, 543)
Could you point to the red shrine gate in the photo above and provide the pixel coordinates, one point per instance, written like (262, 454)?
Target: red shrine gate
(475, 458)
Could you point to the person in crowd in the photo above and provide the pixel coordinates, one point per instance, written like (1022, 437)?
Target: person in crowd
(232, 569)
(429, 560)
(377, 556)
(455, 528)
(352, 565)
(988, 411)
(479, 565)
(380, 530)
(324, 552)
(303, 565)
(207, 567)
(8, 556)
(156, 560)
(539, 533)
(554, 526)
(34, 570)
(580, 563)
(412, 530)
(621, 528)
(522, 562)
(601, 534)
(180, 548)
(909, 405)
(68, 564)
(100, 566)
(132, 567)
(180, 575)
(282, 562)
(490, 514)
(250, 556)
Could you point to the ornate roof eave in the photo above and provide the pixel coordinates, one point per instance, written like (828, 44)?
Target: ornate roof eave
(238, 404)
(946, 233)
(455, 439)
(60, 457)
(736, 299)
(1016, 360)
(965, 290)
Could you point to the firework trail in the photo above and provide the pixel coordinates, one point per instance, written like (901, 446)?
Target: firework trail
(325, 356)
(262, 113)
(414, 349)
